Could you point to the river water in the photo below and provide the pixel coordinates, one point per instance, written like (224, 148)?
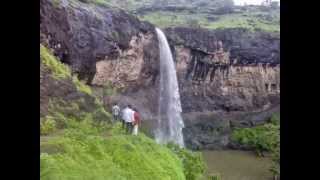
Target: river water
(237, 165)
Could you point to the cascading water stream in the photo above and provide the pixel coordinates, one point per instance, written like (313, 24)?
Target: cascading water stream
(170, 122)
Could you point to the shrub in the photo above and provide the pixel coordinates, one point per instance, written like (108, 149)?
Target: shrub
(81, 86)
(193, 163)
(58, 69)
(62, 111)
(47, 125)
(263, 138)
(215, 177)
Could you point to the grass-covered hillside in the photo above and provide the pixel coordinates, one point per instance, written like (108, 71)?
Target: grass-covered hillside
(78, 140)
(206, 14)
(249, 20)
(133, 5)
(87, 151)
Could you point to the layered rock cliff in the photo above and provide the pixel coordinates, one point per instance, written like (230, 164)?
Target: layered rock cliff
(230, 69)
(226, 77)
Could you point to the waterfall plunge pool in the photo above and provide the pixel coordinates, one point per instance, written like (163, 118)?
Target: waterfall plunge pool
(237, 165)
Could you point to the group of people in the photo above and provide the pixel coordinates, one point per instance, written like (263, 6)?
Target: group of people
(129, 117)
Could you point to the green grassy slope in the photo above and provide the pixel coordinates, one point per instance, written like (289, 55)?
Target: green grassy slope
(201, 14)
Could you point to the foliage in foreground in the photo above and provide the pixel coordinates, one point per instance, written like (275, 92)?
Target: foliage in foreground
(193, 163)
(47, 125)
(263, 138)
(87, 152)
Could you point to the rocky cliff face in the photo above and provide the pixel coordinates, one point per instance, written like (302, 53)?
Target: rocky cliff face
(83, 34)
(224, 74)
(229, 70)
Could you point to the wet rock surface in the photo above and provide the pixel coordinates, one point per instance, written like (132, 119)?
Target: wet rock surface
(208, 132)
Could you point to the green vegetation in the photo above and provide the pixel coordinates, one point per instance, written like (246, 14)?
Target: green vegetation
(254, 19)
(82, 87)
(251, 21)
(263, 138)
(215, 177)
(239, 21)
(58, 69)
(47, 125)
(128, 5)
(63, 112)
(56, 3)
(91, 151)
(193, 164)
(131, 5)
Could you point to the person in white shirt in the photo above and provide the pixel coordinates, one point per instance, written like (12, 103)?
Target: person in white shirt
(128, 117)
(115, 112)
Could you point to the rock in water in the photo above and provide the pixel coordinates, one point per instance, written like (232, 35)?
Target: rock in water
(170, 122)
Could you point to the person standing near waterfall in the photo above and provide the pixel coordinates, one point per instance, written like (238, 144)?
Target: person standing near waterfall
(115, 112)
(128, 117)
(136, 122)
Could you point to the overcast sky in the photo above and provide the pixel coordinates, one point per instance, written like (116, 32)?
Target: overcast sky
(255, 2)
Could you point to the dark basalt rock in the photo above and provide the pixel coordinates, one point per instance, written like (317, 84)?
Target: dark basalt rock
(213, 131)
(82, 34)
(207, 134)
(247, 104)
(245, 46)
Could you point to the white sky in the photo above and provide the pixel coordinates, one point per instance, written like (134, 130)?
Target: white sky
(254, 2)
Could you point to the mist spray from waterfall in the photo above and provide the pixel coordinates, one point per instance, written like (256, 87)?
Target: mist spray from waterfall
(170, 122)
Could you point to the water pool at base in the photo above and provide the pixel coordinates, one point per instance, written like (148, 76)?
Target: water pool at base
(237, 165)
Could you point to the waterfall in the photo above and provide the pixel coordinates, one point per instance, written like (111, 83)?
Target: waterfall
(170, 122)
